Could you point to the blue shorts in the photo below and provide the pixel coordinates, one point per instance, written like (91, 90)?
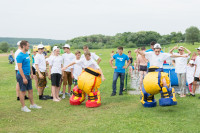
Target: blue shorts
(22, 86)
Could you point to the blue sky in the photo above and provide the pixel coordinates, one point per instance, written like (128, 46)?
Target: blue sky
(66, 19)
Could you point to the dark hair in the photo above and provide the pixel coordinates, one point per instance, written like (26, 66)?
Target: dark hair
(153, 43)
(120, 48)
(23, 43)
(85, 46)
(143, 48)
(129, 51)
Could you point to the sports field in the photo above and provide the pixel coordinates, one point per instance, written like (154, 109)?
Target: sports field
(116, 114)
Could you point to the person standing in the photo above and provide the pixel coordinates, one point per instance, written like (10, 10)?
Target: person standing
(23, 76)
(55, 72)
(68, 57)
(197, 72)
(41, 72)
(130, 65)
(142, 62)
(34, 70)
(120, 59)
(93, 55)
(16, 70)
(181, 67)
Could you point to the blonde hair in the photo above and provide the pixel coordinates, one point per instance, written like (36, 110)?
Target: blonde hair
(87, 53)
(77, 52)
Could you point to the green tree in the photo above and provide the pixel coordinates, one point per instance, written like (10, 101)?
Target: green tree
(4, 46)
(192, 34)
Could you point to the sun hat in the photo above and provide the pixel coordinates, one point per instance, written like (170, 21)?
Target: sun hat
(66, 46)
(157, 45)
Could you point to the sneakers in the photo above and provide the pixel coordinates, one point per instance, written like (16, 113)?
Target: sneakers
(35, 106)
(121, 94)
(42, 97)
(60, 93)
(113, 94)
(25, 109)
(63, 97)
(68, 94)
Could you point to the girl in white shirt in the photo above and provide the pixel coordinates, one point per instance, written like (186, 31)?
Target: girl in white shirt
(55, 72)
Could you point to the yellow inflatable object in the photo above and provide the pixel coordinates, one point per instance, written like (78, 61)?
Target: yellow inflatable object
(151, 81)
(88, 82)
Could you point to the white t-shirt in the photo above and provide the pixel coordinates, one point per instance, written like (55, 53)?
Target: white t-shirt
(156, 60)
(93, 56)
(197, 63)
(55, 62)
(88, 63)
(16, 54)
(190, 74)
(40, 60)
(77, 69)
(181, 63)
(67, 59)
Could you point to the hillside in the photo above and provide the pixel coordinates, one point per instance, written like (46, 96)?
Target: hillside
(13, 41)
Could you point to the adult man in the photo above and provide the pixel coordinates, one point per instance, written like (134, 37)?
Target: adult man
(68, 57)
(93, 55)
(41, 73)
(180, 68)
(16, 70)
(23, 76)
(119, 67)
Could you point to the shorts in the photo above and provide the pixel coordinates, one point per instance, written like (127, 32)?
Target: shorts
(55, 79)
(143, 68)
(41, 82)
(67, 78)
(33, 70)
(75, 82)
(22, 86)
(16, 74)
(196, 79)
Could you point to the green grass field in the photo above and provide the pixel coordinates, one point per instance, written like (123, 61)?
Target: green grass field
(116, 114)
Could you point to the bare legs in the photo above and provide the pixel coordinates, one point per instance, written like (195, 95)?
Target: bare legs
(142, 75)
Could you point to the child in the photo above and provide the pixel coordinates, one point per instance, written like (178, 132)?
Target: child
(55, 72)
(190, 74)
(77, 69)
(87, 62)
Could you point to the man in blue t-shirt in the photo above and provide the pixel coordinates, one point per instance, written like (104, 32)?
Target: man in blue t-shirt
(119, 71)
(23, 76)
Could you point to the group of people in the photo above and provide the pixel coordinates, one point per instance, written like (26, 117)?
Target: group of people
(65, 69)
(59, 69)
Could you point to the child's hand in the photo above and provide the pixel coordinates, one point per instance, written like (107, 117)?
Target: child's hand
(49, 77)
(115, 67)
(103, 78)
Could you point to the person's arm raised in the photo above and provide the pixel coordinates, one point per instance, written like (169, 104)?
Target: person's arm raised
(173, 49)
(189, 52)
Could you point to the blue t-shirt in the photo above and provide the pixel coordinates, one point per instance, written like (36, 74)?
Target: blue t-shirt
(120, 62)
(25, 60)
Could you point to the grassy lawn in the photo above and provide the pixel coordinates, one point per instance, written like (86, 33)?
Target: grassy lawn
(116, 114)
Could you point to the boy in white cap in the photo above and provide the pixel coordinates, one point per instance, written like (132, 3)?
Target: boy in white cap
(93, 55)
(68, 57)
(197, 72)
(16, 70)
(55, 72)
(180, 68)
(156, 58)
(41, 73)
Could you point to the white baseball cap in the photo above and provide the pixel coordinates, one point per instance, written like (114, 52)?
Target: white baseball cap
(55, 47)
(191, 62)
(198, 48)
(18, 43)
(40, 46)
(66, 46)
(157, 45)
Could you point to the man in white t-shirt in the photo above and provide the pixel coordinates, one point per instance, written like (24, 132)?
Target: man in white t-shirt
(16, 70)
(180, 68)
(197, 72)
(41, 73)
(68, 57)
(93, 55)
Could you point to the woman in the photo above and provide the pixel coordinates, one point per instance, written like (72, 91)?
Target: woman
(130, 66)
